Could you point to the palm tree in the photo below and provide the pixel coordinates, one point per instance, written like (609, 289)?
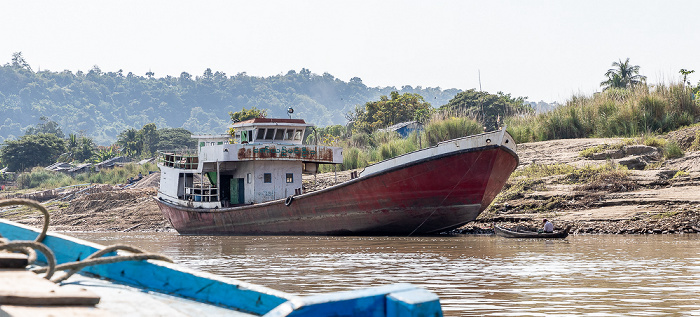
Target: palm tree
(623, 75)
(614, 81)
(129, 141)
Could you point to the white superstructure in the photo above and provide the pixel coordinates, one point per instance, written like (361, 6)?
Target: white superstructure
(263, 161)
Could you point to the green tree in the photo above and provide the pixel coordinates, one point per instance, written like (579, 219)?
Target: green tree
(389, 111)
(18, 61)
(148, 136)
(244, 114)
(78, 149)
(489, 109)
(85, 150)
(129, 142)
(327, 135)
(104, 153)
(622, 75)
(46, 126)
(32, 150)
(175, 138)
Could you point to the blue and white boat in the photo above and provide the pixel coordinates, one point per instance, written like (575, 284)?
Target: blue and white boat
(158, 288)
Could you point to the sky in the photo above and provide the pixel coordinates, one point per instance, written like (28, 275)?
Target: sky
(545, 50)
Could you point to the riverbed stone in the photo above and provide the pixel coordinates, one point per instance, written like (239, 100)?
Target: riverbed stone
(639, 149)
(609, 154)
(634, 162)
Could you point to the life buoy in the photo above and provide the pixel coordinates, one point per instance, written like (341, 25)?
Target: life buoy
(289, 200)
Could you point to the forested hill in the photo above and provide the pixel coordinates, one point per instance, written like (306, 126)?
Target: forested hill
(101, 104)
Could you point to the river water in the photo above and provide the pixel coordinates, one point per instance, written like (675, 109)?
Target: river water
(474, 275)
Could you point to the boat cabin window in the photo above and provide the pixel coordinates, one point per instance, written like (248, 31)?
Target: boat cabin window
(244, 137)
(267, 178)
(290, 178)
(271, 134)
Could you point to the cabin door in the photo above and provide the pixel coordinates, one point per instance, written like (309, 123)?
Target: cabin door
(237, 191)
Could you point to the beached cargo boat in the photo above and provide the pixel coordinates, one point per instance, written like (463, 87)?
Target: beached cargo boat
(158, 288)
(251, 184)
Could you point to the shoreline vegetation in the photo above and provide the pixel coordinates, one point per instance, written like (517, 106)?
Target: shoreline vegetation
(626, 160)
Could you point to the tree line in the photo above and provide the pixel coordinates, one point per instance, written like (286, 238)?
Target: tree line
(45, 144)
(102, 104)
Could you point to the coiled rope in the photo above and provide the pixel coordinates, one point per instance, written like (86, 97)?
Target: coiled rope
(28, 247)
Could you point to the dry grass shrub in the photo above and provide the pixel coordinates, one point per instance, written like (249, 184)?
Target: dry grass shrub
(612, 113)
(610, 181)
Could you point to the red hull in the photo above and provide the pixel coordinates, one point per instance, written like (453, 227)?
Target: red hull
(428, 196)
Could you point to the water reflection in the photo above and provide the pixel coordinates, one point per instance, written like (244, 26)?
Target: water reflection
(473, 275)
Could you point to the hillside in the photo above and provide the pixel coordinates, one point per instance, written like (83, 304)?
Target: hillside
(102, 104)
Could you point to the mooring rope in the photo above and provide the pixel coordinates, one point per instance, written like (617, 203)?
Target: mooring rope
(28, 248)
(48, 254)
(30, 203)
(95, 259)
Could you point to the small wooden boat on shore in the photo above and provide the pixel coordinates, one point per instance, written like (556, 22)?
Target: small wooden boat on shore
(507, 233)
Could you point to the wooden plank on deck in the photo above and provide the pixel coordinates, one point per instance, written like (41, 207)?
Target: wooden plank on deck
(13, 260)
(21, 287)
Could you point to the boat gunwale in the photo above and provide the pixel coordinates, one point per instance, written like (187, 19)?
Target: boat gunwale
(474, 136)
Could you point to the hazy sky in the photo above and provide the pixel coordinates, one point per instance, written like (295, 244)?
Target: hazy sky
(545, 50)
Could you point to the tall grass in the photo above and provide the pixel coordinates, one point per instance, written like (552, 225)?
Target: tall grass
(41, 178)
(612, 113)
(439, 130)
(361, 150)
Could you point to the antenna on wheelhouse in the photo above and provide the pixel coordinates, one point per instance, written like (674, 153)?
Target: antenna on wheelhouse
(290, 110)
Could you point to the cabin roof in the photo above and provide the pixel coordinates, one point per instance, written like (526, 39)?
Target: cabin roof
(269, 120)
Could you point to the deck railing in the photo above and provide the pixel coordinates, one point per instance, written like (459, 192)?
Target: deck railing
(179, 159)
(202, 193)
